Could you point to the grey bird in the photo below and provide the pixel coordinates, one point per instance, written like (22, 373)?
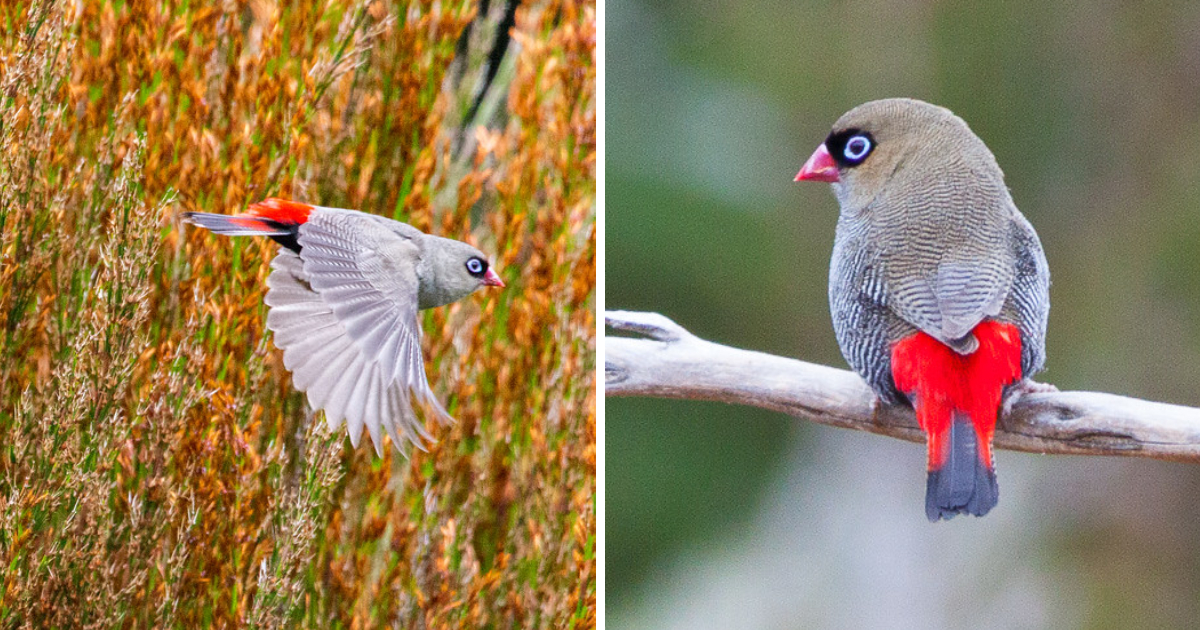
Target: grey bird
(343, 293)
(938, 285)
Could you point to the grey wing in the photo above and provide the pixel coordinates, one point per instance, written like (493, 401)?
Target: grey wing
(344, 313)
(862, 321)
(1029, 302)
(964, 288)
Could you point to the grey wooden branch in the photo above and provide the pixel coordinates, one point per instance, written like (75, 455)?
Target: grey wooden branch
(669, 362)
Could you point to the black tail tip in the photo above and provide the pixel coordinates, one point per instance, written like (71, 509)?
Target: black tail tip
(976, 495)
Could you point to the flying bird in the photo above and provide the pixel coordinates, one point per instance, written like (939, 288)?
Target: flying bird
(938, 285)
(343, 297)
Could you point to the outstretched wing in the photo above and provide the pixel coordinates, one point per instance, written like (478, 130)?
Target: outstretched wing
(344, 311)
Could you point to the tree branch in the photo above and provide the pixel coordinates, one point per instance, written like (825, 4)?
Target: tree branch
(670, 362)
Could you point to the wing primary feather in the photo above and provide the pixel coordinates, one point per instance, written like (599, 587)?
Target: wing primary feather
(388, 352)
(390, 427)
(376, 437)
(376, 411)
(307, 374)
(356, 400)
(355, 427)
(344, 387)
(330, 367)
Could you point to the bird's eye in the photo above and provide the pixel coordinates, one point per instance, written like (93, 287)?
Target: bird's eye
(856, 149)
(476, 267)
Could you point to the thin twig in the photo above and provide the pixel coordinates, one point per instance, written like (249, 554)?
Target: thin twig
(667, 361)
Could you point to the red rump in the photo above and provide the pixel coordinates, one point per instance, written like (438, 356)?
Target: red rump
(281, 210)
(941, 382)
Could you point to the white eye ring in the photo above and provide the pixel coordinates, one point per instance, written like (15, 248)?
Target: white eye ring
(857, 148)
(474, 266)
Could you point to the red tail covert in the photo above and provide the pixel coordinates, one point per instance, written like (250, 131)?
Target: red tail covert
(947, 390)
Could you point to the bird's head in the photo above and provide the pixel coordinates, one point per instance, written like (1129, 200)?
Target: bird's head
(451, 270)
(897, 144)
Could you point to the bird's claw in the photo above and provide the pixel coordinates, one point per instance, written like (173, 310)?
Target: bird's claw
(1019, 389)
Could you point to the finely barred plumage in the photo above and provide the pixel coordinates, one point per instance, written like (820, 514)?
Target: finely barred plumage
(938, 286)
(1028, 305)
(939, 248)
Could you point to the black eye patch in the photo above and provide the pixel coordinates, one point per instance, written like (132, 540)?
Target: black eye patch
(850, 147)
(476, 267)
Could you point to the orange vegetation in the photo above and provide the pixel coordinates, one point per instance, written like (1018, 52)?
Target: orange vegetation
(156, 468)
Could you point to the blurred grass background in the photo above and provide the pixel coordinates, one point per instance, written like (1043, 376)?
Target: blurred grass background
(156, 468)
(728, 517)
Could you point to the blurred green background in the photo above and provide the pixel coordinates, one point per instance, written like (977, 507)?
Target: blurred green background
(721, 517)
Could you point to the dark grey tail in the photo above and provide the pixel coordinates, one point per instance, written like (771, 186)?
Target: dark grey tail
(285, 234)
(964, 484)
(235, 225)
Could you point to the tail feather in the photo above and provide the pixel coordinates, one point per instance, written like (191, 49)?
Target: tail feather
(279, 219)
(235, 224)
(957, 399)
(964, 483)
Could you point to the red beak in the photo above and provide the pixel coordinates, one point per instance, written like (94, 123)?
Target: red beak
(492, 279)
(819, 168)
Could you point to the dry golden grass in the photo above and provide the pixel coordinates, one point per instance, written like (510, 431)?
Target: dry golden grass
(156, 469)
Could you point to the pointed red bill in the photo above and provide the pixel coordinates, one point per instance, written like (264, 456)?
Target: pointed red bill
(492, 279)
(819, 168)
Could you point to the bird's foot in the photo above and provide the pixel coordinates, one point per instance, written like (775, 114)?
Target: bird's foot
(1021, 388)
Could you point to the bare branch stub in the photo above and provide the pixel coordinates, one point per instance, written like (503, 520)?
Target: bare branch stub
(670, 362)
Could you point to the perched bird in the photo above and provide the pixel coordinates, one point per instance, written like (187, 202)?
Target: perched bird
(343, 293)
(938, 286)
